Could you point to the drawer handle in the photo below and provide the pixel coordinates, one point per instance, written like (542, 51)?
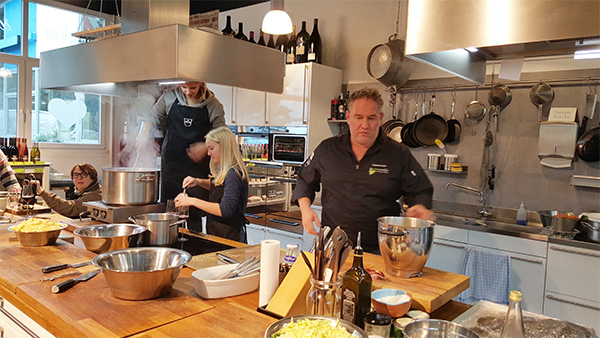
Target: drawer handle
(252, 215)
(574, 303)
(450, 245)
(18, 323)
(280, 221)
(527, 260)
(575, 251)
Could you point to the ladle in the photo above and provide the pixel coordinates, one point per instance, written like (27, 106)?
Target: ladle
(539, 95)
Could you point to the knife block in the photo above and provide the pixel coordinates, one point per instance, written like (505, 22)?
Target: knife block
(290, 298)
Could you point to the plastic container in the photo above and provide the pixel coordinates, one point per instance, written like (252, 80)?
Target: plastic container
(522, 215)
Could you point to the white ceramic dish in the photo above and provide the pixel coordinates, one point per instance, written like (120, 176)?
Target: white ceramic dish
(208, 287)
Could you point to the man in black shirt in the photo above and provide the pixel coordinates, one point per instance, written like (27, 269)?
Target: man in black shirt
(363, 174)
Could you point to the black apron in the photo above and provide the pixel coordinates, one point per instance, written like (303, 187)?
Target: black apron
(233, 228)
(185, 126)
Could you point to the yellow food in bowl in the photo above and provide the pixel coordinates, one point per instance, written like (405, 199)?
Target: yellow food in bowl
(37, 225)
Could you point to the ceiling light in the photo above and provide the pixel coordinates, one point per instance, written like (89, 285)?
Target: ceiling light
(166, 83)
(472, 49)
(587, 54)
(277, 21)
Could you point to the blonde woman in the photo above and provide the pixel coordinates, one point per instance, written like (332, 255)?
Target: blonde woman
(227, 186)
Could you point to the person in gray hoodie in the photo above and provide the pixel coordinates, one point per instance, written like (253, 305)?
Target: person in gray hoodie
(187, 113)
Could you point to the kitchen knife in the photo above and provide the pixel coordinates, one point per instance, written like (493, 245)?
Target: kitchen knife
(53, 268)
(73, 281)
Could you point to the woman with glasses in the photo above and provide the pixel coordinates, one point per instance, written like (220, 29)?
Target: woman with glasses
(85, 179)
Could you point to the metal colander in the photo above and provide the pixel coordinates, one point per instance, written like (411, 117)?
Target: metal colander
(387, 64)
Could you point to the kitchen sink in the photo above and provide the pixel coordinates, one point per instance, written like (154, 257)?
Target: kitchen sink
(491, 224)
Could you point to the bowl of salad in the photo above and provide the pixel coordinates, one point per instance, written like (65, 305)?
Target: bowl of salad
(309, 326)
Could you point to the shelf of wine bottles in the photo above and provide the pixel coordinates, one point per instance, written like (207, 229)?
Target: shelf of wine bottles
(15, 149)
(299, 47)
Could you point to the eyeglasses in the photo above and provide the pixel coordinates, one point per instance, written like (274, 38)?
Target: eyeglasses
(80, 175)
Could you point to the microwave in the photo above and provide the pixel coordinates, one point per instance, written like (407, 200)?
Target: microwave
(290, 148)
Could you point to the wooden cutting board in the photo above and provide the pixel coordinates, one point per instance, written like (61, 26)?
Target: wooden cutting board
(430, 291)
(37, 209)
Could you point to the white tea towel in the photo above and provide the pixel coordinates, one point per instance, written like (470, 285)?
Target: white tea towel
(489, 273)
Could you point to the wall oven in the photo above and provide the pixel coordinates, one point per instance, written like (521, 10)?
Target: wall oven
(289, 148)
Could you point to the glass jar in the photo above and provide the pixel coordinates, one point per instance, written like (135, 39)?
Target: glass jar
(324, 298)
(378, 325)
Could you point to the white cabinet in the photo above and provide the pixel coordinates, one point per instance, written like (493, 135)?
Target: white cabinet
(255, 233)
(225, 95)
(16, 324)
(249, 107)
(284, 237)
(573, 285)
(447, 255)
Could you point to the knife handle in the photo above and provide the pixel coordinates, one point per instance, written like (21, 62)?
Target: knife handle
(53, 268)
(66, 285)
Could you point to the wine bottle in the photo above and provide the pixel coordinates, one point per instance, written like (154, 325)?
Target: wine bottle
(271, 43)
(35, 153)
(282, 43)
(302, 44)
(251, 39)
(314, 43)
(513, 325)
(240, 34)
(25, 151)
(3, 145)
(356, 289)
(291, 50)
(228, 31)
(14, 151)
(261, 38)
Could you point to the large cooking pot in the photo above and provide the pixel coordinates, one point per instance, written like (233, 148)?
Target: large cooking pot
(130, 186)
(162, 228)
(405, 243)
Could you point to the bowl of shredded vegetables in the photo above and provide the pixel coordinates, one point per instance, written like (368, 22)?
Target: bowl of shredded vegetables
(37, 231)
(313, 326)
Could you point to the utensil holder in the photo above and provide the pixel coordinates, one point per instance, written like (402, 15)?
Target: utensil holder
(324, 298)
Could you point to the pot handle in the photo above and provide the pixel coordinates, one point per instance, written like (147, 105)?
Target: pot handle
(132, 220)
(589, 225)
(177, 223)
(146, 178)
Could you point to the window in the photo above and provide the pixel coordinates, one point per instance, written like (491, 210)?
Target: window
(10, 27)
(8, 99)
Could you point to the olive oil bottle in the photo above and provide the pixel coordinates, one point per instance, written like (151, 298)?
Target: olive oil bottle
(356, 289)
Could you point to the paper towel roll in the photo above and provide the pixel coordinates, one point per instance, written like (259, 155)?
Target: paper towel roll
(269, 270)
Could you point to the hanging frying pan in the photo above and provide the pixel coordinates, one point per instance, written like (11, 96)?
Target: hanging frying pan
(588, 145)
(430, 127)
(406, 130)
(499, 96)
(386, 63)
(539, 95)
(454, 126)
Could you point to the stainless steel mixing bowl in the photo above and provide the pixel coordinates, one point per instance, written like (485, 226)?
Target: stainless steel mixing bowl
(434, 328)
(550, 219)
(405, 243)
(37, 238)
(354, 330)
(109, 237)
(141, 273)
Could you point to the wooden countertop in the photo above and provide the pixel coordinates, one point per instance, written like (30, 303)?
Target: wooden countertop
(90, 310)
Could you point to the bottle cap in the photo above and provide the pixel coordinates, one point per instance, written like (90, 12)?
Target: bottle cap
(377, 318)
(516, 296)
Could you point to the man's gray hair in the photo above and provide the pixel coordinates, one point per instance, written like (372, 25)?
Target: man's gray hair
(366, 93)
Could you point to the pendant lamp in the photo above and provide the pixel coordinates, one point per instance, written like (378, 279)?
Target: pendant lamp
(277, 21)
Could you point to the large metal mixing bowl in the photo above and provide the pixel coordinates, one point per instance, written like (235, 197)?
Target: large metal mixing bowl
(109, 237)
(434, 328)
(37, 238)
(405, 243)
(354, 330)
(141, 273)
(562, 224)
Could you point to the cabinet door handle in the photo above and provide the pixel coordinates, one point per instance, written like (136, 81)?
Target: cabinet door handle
(233, 107)
(305, 99)
(527, 260)
(573, 303)
(18, 323)
(281, 221)
(579, 252)
(462, 247)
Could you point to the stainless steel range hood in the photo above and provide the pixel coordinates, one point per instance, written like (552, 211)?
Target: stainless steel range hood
(438, 31)
(144, 54)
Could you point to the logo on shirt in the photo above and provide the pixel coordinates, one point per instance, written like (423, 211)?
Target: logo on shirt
(187, 122)
(378, 169)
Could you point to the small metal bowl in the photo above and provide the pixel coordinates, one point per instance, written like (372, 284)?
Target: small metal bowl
(423, 328)
(38, 238)
(354, 330)
(109, 237)
(141, 273)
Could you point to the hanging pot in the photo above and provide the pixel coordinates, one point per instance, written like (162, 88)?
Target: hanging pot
(387, 64)
(540, 94)
(588, 145)
(454, 126)
(430, 127)
(499, 96)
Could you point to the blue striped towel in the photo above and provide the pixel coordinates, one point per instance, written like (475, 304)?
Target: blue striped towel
(490, 275)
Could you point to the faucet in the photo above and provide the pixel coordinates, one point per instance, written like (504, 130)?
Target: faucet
(485, 212)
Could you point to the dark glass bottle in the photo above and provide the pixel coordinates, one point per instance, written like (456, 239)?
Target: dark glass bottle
(228, 31)
(251, 39)
(261, 38)
(291, 50)
(282, 43)
(302, 44)
(240, 34)
(3, 145)
(271, 42)
(356, 289)
(315, 52)
(12, 149)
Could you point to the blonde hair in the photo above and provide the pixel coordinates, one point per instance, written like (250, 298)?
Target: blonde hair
(230, 155)
(202, 89)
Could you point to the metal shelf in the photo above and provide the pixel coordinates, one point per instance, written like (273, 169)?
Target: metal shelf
(448, 171)
(585, 181)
